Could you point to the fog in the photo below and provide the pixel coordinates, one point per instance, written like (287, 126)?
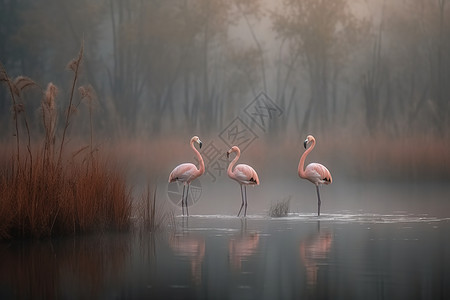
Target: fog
(369, 79)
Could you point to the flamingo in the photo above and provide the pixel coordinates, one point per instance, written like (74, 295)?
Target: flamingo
(314, 172)
(243, 174)
(187, 172)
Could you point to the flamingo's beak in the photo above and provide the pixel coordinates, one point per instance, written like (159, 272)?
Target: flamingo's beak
(200, 144)
(228, 154)
(305, 143)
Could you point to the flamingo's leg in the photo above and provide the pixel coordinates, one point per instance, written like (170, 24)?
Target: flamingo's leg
(182, 200)
(318, 200)
(246, 202)
(187, 195)
(242, 205)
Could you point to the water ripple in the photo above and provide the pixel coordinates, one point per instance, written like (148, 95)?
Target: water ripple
(337, 217)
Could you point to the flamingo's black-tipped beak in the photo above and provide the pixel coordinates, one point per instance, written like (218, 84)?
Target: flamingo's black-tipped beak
(200, 144)
(228, 154)
(305, 143)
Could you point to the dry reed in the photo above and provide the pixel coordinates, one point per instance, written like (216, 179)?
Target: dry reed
(45, 193)
(151, 216)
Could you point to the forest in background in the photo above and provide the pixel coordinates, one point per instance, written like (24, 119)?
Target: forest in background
(369, 67)
(122, 85)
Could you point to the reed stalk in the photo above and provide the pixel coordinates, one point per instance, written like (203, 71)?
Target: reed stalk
(43, 196)
(74, 65)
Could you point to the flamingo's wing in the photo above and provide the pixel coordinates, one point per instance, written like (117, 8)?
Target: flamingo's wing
(184, 173)
(318, 174)
(246, 174)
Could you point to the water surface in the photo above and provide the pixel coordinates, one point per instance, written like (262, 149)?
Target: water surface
(338, 256)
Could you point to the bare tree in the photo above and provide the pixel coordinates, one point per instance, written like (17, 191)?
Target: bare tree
(319, 33)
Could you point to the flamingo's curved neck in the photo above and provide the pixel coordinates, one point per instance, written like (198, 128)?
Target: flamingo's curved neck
(233, 162)
(301, 164)
(201, 169)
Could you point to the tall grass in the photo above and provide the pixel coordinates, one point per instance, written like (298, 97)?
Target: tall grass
(152, 217)
(47, 191)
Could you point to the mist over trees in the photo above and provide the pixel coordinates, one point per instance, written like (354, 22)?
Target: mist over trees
(182, 65)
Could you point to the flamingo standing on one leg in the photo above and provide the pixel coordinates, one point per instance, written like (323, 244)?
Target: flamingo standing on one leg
(187, 172)
(314, 172)
(243, 174)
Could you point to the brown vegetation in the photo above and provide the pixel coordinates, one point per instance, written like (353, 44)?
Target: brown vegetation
(47, 199)
(47, 190)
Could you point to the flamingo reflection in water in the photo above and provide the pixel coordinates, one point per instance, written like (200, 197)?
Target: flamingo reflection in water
(313, 252)
(241, 247)
(193, 249)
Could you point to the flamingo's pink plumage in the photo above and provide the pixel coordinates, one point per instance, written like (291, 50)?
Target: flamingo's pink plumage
(184, 173)
(187, 172)
(314, 172)
(243, 174)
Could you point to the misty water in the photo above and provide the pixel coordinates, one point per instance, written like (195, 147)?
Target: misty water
(367, 253)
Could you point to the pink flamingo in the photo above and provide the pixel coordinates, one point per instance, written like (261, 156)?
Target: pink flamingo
(187, 172)
(314, 172)
(243, 174)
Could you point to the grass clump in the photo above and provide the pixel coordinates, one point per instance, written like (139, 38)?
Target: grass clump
(48, 190)
(280, 209)
(51, 200)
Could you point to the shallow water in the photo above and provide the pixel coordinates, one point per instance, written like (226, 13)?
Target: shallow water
(335, 256)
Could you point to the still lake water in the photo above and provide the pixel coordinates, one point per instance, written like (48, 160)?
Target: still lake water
(336, 256)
